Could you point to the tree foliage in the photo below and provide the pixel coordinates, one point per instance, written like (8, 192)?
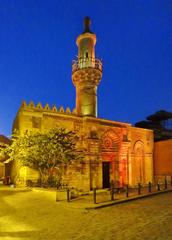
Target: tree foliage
(45, 152)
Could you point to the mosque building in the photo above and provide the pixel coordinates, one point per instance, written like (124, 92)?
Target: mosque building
(112, 150)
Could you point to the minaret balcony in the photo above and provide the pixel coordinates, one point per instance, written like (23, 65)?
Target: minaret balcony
(84, 63)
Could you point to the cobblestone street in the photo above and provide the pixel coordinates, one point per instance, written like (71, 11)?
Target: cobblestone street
(31, 215)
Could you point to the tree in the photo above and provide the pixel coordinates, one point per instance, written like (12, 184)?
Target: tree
(46, 152)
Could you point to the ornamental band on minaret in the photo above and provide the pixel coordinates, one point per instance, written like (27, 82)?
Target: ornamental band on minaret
(86, 73)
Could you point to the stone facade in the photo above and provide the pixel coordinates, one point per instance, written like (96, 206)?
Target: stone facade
(113, 150)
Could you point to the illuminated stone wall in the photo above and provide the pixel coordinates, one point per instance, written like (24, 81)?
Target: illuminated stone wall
(141, 156)
(163, 158)
(127, 150)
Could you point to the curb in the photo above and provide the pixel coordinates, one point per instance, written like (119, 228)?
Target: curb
(102, 205)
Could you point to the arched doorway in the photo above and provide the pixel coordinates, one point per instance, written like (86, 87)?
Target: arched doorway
(110, 158)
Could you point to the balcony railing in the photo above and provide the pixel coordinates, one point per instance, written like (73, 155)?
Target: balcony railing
(86, 63)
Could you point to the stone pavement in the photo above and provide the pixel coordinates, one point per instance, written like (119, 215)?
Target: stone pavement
(103, 198)
(35, 215)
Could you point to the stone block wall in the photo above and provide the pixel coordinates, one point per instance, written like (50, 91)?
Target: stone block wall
(126, 148)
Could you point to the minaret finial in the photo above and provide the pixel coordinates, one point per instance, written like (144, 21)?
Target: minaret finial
(87, 23)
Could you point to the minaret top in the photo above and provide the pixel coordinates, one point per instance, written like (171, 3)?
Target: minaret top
(86, 72)
(87, 33)
(87, 23)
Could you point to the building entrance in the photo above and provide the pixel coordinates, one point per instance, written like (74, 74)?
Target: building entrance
(106, 174)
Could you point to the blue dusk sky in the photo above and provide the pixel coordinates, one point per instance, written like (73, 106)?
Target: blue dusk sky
(37, 46)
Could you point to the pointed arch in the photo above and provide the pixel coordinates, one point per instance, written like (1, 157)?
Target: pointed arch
(138, 163)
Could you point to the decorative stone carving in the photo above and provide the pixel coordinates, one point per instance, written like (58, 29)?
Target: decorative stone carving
(39, 106)
(54, 109)
(47, 107)
(61, 109)
(68, 110)
(31, 104)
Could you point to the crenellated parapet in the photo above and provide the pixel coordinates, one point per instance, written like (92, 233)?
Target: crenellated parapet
(39, 106)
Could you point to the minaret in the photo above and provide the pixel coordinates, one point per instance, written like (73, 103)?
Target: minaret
(86, 73)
